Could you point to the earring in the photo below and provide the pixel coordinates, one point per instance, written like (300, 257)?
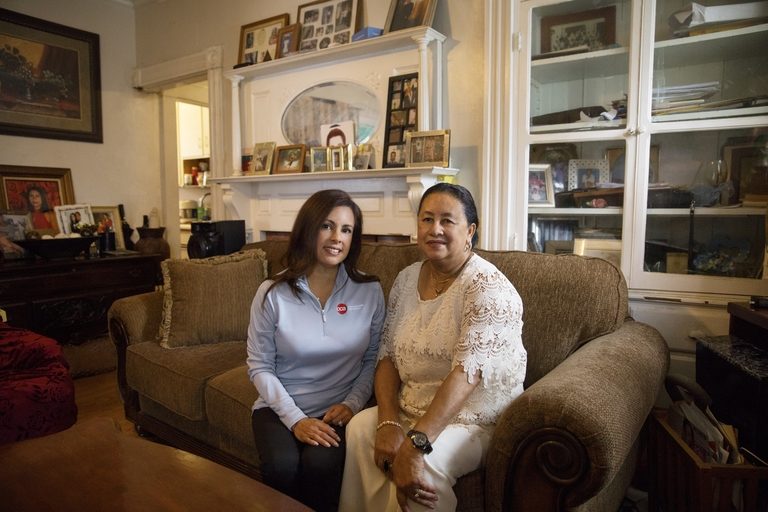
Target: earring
(468, 246)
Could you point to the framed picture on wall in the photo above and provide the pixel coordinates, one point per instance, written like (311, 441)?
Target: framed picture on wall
(326, 23)
(61, 98)
(36, 190)
(402, 117)
(258, 40)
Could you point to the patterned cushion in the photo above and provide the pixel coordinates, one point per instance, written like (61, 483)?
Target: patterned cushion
(37, 394)
(209, 300)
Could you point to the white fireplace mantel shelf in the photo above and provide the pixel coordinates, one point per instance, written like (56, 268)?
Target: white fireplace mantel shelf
(389, 198)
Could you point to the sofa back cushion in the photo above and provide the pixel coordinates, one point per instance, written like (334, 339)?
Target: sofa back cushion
(567, 299)
(209, 300)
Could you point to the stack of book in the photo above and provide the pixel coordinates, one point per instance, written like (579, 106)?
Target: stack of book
(698, 19)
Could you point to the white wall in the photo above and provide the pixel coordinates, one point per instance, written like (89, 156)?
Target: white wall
(170, 29)
(125, 167)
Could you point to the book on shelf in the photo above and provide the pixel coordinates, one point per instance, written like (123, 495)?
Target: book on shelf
(695, 14)
(755, 201)
(751, 101)
(718, 26)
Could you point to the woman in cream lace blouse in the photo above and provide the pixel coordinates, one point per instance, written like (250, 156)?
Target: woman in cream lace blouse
(451, 359)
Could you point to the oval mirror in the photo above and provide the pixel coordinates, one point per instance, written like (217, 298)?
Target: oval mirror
(309, 116)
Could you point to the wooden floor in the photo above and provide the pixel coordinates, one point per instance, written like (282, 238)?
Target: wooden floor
(99, 397)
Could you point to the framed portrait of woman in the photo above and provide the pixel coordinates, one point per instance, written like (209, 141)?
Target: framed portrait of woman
(37, 191)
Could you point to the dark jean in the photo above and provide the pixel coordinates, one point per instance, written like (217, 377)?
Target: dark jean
(310, 474)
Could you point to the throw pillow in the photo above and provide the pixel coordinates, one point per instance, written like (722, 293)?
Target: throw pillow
(209, 300)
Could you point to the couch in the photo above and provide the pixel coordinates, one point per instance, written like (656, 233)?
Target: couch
(571, 441)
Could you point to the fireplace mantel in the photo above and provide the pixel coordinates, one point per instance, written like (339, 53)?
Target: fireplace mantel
(389, 198)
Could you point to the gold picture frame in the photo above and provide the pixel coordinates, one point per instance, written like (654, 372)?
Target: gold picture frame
(107, 219)
(289, 159)
(261, 159)
(407, 14)
(430, 148)
(53, 184)
(258, 40)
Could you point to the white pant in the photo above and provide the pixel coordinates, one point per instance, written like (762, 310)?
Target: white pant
(458, 450)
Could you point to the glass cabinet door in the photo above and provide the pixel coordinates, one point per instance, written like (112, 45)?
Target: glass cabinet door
(579, 65)
(706, 119)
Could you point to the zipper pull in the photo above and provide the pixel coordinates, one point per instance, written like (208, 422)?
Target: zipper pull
(322, 312)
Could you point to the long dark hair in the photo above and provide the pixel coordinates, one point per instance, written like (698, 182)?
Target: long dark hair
(463, 196)
(44, 206)
(301, 254)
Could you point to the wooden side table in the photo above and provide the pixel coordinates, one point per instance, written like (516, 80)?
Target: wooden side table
(68, 299)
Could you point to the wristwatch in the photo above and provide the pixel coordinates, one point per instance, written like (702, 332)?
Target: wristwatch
(420, 441)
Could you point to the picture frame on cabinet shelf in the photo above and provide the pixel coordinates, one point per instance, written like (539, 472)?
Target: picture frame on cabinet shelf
(430, 148)
(364, 157)
(326, 23)
(741, 161)
(410, 13)
(587, 30)
(53, 186)
(556, 155)
(402, 117)
(583, 173)
(52, 80)
(288, 40)
(261, 161)
(70, 215)
(289, 159)
(540, 190)
(319, 159)
(258, 40)
(107, 220)
(605, 248)
(617, 164)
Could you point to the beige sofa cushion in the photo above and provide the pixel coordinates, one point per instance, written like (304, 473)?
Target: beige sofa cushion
(228, 401)
(209, 300)
(176, 379)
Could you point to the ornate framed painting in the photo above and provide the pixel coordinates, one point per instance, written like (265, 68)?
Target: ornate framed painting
(51, 80)
(36, 191)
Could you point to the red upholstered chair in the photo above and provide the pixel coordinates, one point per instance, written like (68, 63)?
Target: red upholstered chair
(37, 394)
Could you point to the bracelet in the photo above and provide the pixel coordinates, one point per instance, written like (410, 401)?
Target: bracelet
(388, 422)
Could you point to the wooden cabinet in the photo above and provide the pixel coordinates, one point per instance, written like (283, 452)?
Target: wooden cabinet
(68, 300)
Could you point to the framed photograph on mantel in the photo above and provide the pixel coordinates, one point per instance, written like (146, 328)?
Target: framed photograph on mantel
(258, 40)
(288, 40)
(410, 13)
(579, 31)
(51, 80)
(428, 149)
(326, 23)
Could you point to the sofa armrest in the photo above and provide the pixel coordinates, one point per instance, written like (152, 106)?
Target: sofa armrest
(132, 320)
(566, 437)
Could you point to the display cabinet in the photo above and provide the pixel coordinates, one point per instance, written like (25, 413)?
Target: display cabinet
(652, 134)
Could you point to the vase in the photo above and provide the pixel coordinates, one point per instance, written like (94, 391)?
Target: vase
(151, 241)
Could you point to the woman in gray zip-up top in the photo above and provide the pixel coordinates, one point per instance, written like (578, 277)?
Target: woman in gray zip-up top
(312, 345)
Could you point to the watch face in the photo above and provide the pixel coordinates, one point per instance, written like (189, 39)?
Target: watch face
(419, 439)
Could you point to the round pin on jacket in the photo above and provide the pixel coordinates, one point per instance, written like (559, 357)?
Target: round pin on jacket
(342, 309)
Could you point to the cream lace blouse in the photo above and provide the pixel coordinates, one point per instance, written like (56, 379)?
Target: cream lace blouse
(477, 323)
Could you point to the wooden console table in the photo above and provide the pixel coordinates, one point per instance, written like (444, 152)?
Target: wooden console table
(68, 299)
